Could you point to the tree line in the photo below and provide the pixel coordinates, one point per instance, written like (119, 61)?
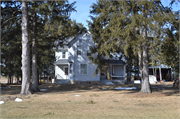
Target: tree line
(29, 30)
(146, 32)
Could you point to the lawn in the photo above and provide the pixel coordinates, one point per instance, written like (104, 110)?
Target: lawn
(92, 102)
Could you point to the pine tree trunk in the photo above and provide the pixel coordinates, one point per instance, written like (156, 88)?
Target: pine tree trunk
(48, 75)
(130, 73)
(145, 86)
(140, 62)
(9, 79)
(140, 57)
(138, 74)
(48, 78)
(38, 77)
(17, 79)
(25, 52)
(171, 75)
(160, 72)
(35, 79)
(44, 77)
(12, 80)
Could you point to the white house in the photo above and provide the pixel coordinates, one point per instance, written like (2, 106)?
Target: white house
(72, 61)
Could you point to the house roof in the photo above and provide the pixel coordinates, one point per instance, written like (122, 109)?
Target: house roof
(76, 38)
(65, 43)
(70, 41)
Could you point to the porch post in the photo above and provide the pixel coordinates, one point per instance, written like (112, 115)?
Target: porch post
(124, 73)
(54, 70)
(69, 71)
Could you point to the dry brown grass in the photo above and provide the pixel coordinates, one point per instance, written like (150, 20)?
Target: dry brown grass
(94, 103)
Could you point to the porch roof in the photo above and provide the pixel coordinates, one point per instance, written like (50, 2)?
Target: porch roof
(62, 61)
(114, 62)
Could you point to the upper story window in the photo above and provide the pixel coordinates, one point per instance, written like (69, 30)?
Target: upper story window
(78, 50)
(88, 51)
(80, 40)
(88, 37)
(64, 54)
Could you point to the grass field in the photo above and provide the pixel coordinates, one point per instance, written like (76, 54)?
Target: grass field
(92, 102)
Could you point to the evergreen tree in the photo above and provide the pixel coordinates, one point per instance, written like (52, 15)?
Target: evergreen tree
(35, 78)
(117, 25)
(50, 19)
(11, 40)
(170, 45)
(25, 88)
(58, 26)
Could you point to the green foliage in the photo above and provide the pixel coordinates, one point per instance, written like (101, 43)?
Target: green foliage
(53, 23)
(113, 25)
(11, 39)
(170, 46)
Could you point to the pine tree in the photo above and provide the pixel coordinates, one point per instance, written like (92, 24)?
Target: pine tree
(57, 14)
(58, 26)
(25, 89)
(117, 25)
(170, 45)
(10, 39)
(35, 78)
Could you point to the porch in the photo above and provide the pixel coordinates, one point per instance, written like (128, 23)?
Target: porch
(115, 71)
(61, 69)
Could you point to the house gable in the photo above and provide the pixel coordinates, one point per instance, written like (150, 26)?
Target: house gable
(82, 36)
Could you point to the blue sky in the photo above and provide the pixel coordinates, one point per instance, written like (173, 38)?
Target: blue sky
(83, 8)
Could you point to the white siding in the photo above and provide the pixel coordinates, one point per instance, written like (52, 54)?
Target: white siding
(58, 54)
(71, 59)
(83, 59)
(59, 71)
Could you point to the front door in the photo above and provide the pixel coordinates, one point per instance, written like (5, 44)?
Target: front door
(65, 72)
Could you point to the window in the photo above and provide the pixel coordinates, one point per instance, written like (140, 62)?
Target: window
(64, 54)
(88, 51)
(80, 40)
(78, 50)
(66, 71)
(88, 38)
(83, 68)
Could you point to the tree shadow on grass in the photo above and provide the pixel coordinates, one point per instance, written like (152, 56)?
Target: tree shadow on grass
(78, 88)
(166, 90)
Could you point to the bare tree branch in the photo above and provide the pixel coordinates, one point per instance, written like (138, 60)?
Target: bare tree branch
(8, 20)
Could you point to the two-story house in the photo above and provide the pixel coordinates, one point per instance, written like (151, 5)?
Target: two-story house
(72, 61)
